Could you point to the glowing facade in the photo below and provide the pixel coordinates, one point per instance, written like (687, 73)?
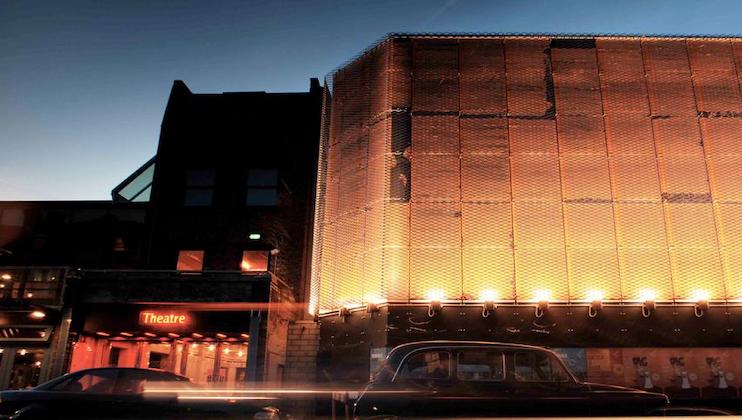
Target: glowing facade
(473, 167)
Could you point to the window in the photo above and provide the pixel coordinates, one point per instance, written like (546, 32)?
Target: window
(98, 382)
(481, 365)
(262, 187)
(427, 365)
(538, 367)
(190, 261)
(199, 187)
(254, 261)
(12, 217)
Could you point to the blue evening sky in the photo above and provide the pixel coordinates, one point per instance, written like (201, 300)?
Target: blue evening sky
(83, 84)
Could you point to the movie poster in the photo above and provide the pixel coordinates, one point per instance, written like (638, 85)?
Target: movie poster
(678, 372)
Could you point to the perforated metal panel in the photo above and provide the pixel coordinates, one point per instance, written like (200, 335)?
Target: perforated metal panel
(461, 166)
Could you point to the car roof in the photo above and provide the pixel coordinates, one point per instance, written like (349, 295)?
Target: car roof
(130, 369)
(398, 353)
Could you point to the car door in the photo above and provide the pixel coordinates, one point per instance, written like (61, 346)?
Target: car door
(86, 394)
(480, 388)
(428, 374)
(541, 385)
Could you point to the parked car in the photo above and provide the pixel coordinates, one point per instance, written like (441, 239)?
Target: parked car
(120, 393)
(460, 378)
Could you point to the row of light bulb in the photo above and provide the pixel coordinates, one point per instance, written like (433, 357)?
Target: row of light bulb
(542, 295)
(645, 295)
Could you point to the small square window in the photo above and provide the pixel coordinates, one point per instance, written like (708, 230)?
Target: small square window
(254, 261)
(198, 197)
(262, 178)
(12, 217)
(262, 197)
(190, 261)
(200, 178)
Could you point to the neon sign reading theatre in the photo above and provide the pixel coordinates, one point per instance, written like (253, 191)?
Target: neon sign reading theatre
(156, 318)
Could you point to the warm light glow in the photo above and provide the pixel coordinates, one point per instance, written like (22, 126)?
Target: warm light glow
(103, 334)
(595, 295)
(37, 315)
(700, 296)
(197, 335)
(211, 347)
(173, 335)
(29, 295)
(149, 334)
(489, 295)
(23, 352)
(6, 276)
(240, 353)
(647, 295)
(542, 296)
(226, 350)
(37, 364)
(254, 236)
(245, 335)
(435, 295)
(220, 335)
(126, 334)
(376, 300)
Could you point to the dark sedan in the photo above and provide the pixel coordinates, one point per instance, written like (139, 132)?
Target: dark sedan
(120, 393)
(453, 379)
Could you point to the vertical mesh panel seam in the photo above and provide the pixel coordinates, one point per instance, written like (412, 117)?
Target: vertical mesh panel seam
(726, 270)
(461, 193)
(550, 67)
(413, 47)
(665, 210)
(611, 178)
(704, 146)
(513, 280)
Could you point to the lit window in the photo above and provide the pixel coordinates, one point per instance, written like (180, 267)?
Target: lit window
(199, 187)
(262, 187)
(190, 261)
(254, 261)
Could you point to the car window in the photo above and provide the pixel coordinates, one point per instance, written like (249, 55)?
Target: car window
(535, 366)
(427, 365)
(96, 382)
(480, 365)
(136, 381)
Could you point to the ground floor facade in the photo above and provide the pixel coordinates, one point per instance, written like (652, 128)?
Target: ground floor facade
(675, 349)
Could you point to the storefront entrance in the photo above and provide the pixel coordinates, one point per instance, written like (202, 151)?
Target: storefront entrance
(210, 347)
(204, 362)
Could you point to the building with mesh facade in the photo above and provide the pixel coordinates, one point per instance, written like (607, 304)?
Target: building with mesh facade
(517, 166)
(525, 169)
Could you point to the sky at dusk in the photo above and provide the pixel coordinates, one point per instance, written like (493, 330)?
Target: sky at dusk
(83, 84)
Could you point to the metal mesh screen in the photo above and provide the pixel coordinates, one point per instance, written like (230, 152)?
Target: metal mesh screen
(457, 166)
